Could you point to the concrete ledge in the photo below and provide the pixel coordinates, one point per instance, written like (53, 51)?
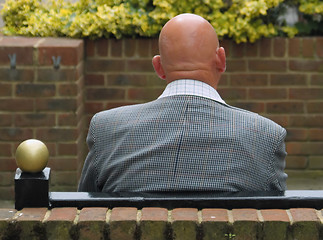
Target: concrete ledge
(125, 223)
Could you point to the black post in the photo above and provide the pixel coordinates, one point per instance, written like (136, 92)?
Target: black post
(32, 189)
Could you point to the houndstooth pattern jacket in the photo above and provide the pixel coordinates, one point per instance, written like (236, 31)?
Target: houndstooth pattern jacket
(183, 143)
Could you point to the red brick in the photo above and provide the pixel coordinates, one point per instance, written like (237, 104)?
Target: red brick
(146, 94)
(315, 162)
(282, 120)
(279, 47)
(306, 94)
(13, 105)
(105, 94)
(62, 163)
(60, 75)
(93, 214)
(123, 223)
(7, 214)
(319, 46)
(29, 222)
(5, 90)
(32, 214)
(123, 214)
(315, 107)
(89, 48)
(15, 134)
(8, 164)
(56, 134)
(153, 219)
(56, 104)
(275, 215)
(304, 148)
(130, 47)
(237, 50)
(92, 223)
(236, 65)
(296, 162)
(143, 47)
(139, 65)
(306, 65)
(138, 80)
(267, 65)
(103, 65)
(294, 47)
(93, 107)
(233, 93)
(94, 80)
(5, 150)
(35, 90)
(116, 47)
(226, 44)
(110, 105)
(308, 47)
(34, 120)
(245, 223)
(7, 179)
(65, 178)
(102, 47)
(70, 51)
(184, 223)
(285, 107)
(6, 119)
(305, 224)
(316, 79)
(154, 47)
(276, 224)
(252, 49)
(215, 223)
(257, 107)
(268, 93)
(315, 134)
(60, 223)
(154, 214)
(265, 47)
(244, 215)
(69, 89)
(306, 121)
(215, 215)
(17, 75)
(288, 79)
(67, 119)
(67, 149)
(249, 79)
(24, 55)
(7, 193)
(297, 134)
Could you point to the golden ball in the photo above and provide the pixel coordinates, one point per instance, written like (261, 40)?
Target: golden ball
(32, 156)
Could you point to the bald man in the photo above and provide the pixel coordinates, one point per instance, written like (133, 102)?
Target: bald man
(188, 139)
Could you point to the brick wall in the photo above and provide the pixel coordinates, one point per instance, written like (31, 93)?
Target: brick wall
(43, 101)
(278, 78)
(161, 224)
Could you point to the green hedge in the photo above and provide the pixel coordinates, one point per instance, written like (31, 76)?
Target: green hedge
(241, 20)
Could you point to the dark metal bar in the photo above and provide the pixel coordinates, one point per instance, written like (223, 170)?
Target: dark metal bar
(257, 200)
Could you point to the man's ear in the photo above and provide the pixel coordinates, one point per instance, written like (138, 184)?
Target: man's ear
(158, 67)
(221, 60)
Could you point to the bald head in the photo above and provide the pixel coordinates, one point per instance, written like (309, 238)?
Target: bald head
(189, 48)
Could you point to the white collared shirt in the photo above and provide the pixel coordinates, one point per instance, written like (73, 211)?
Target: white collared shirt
(191, 87)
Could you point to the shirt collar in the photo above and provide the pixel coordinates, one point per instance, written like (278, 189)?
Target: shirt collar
(191, 87)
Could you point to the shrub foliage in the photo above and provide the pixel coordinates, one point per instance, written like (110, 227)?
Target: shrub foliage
(241, 20)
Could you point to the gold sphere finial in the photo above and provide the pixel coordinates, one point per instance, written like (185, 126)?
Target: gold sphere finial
(32, 156)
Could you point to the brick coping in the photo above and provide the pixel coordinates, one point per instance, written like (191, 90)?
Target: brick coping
(160, 223)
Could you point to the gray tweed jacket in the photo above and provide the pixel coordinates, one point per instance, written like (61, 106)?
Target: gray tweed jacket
(183, 143)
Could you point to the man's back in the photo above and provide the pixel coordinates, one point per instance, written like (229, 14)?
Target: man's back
(183, 143)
